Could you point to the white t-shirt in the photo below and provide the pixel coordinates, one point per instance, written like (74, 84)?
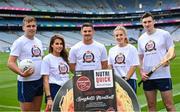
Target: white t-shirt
(122, 58)
(56, 68)
(154, 47)
(88, 57)
(25, 48)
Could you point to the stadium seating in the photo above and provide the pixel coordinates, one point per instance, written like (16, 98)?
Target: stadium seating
(8, 37)
(80, 6)
(91, 5)
(72, 37)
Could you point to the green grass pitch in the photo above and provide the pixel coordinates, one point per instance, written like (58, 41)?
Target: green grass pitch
(8, 86)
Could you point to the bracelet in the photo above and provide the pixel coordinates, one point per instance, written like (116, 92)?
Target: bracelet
(48, 97)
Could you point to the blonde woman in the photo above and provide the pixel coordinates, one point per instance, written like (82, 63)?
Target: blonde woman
(123, 57)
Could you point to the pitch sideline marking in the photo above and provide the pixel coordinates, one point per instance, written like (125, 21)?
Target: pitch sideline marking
(14, 84)
(10, 107)
(14, 107)
(159, 99)
(7, 85)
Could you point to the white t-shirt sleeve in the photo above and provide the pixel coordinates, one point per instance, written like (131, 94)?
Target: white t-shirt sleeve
(104, 54)
(110, 58)
(16, 48)
(169, 40)
(134, 56)
(72, 55)
(140, 51)
(45, 66)
(42, 53)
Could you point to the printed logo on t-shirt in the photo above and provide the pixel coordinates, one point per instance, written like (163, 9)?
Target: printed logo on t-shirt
(150, 46)
(63, 68)
(88, 57)
(120, 59)
(36, 52)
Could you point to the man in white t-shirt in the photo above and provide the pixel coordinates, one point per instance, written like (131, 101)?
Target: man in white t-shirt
(156, 46)
(30, 83)
(88, 54)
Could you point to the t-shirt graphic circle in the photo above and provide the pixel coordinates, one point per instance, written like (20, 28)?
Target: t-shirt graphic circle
(88, 57)
(150, 45)
(63, 69)
(36, 52)
(120, 59)
(83, 83)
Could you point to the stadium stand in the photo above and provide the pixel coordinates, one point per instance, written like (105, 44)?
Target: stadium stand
(8, 37)
(66, 16)
(91, 5)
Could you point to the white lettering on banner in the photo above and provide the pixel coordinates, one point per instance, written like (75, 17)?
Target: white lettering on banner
(106, 97)
(84, 99)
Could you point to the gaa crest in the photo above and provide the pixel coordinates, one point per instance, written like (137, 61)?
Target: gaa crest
(88, 57)
(36, 52)
(150, 46)
(120, 59)
(63, 68)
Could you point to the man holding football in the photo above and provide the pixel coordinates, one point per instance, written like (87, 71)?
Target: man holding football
(30, 83)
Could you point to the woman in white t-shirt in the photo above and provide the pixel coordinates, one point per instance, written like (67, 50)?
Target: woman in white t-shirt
(123, 57)
(54, 69)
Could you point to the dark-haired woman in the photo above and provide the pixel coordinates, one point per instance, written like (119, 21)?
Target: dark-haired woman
(54, 69)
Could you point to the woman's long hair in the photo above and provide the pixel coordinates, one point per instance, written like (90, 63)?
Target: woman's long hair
(63, 53)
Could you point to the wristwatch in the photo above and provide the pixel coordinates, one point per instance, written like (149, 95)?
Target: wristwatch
(125, 78)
